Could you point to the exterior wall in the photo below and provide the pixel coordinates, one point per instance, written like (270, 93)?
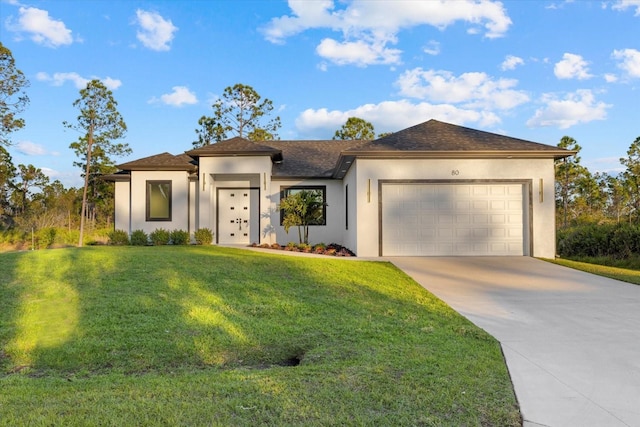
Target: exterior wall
(332, 232)
(542, 220)
(179, 200)
(239, 172)
(350, 239)
(122, 206)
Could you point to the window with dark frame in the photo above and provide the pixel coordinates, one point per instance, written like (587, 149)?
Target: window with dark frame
(321, 189)
(158, 206)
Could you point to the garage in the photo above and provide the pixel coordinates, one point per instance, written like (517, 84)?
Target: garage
(453, 218)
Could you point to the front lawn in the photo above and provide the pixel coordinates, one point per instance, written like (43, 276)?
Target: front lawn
(218, 336)
(594, 266)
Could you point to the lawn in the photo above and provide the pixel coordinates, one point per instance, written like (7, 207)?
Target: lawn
(218, 336)
(592, 265)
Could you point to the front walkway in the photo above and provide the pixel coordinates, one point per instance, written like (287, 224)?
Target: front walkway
(571, 339)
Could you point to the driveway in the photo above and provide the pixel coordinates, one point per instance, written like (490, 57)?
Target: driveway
(571, 339)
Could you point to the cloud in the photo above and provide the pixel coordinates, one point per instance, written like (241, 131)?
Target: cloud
(29, 148)
(359, 53)
(155, 32)
(572, 67)
(180, 96)
(511, 62)
(577, 107)
(432, 48)
(625, 4)
(629, 61)
(389, 116)
(58, 79)
(471, 90)
(42, 28)
(368, 27)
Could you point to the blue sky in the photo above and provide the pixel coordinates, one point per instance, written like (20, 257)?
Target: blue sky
(537, 70)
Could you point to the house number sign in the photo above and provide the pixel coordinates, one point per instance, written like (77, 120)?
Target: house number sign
(455, 172)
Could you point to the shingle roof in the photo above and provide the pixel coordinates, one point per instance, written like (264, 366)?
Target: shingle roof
(164, 161)
(235, 146)
(436, 136)
(309, 158)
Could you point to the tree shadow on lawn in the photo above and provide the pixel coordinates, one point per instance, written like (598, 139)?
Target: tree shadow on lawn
(162, 310)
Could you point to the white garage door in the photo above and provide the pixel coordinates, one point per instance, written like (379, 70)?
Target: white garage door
(452, 219)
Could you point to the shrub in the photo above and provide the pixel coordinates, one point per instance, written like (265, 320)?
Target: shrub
(203, 236)
(139, 238)
(618, 241)
(160, 237)
(46, 237)
(179, 237)
(118, 238)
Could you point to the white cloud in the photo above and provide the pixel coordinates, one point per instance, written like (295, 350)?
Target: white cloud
(359, 53)
(471, 90)
(389, 116)
(432, 48)
(610, 78)
(572, 66)
(624, 4)
(58, 79)
(511, 62)
(32, 149)
(629, 61)
(155, 32)
(578, 107)
(375, 24)
(42, 28)
(180, 96)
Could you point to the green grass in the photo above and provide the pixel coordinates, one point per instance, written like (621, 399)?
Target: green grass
(207, 336)
(630, 275)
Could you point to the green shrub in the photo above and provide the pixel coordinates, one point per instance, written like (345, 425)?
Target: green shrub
(617, 241)
(118, 237)
(139, 238)
(179, 237)
(160, 237)
(203, 236)
(46, 237)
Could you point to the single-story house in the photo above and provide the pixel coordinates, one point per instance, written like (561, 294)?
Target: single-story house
(433, 189)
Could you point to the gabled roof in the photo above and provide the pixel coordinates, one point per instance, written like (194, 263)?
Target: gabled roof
(161, 162)
(305, 159)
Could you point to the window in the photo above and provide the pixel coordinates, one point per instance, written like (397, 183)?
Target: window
(158, 201)
(346, 207)
(321, 190)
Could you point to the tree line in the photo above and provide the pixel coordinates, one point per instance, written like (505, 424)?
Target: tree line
(583, 197)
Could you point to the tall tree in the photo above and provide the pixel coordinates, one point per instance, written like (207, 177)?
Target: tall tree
(7, 176)
(99, 123)
(355, 129)
(13, 99)
(30, 178)
(631, 176)
(568, 171)
(240, 111)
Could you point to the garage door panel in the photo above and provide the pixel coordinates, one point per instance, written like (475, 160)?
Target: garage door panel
(453, 219)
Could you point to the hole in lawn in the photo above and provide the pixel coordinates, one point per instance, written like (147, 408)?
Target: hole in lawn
(291, 361)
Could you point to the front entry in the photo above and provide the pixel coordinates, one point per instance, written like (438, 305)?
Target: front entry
(237, 216)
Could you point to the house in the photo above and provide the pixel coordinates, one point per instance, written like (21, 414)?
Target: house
(432, 189)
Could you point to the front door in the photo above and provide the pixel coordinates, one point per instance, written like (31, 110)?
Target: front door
(234, 215)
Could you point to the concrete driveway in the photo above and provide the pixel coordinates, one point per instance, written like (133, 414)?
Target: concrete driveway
(571, 339)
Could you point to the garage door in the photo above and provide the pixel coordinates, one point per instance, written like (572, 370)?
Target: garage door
(452, 219)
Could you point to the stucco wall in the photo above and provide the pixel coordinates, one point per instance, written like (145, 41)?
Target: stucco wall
(122, 205)
(543, 208)
(332, 232)
(350, 236)
(179, 200)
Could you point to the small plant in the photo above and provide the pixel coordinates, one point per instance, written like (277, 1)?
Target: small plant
(118, 238)
(304, 247)
(179, 237)
(319, 248)
(275, 246)
(203, 236)
(139, 238)
(160, 237)
(46, 237)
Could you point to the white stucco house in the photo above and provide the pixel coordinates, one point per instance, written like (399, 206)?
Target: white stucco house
(433, 189)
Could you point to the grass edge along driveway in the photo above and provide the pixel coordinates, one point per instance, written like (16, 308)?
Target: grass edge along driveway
(221, 336)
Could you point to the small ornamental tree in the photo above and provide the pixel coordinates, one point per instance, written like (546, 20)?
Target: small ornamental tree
(300, 210)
